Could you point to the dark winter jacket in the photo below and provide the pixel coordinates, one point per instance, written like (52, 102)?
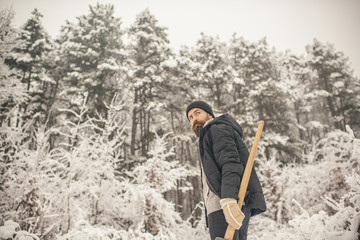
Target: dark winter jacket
(224, 156)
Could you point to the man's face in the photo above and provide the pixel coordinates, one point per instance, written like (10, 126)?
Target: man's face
(198, 118)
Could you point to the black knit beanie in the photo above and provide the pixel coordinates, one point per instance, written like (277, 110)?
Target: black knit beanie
(202, 105)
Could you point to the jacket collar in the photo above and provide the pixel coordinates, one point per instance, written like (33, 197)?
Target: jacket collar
(208, 121)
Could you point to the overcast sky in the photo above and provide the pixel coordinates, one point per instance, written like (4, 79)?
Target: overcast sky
(287, 24)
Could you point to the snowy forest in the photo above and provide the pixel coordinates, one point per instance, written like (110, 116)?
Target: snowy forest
(95, 143)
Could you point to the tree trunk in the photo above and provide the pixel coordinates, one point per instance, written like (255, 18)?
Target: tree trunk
(134, 124)
(329, 99)
(142, 131)
(148, 137)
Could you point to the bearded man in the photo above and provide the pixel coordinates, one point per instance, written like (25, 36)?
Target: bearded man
(223, 159)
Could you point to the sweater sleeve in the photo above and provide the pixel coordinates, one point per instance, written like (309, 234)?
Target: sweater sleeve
(227, 157)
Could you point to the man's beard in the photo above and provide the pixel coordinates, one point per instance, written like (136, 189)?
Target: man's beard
(197, 126)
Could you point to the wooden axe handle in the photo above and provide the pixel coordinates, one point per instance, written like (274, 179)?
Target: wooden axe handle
(230, 231)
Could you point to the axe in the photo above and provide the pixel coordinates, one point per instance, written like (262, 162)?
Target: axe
(230, 231)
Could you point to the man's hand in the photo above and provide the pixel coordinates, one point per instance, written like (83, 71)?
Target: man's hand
(232, 212)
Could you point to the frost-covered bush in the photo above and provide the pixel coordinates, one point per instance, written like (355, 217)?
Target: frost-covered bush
(149, 214)
(142, 210)
(11, 230)
(315, 200)
(75, 191)
(344, 224)
(336, 146)
(23, 185)
(50, 191)
(307, 183)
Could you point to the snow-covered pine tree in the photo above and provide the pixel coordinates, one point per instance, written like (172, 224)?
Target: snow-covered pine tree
(12, 91)
(186, 72)
(265, 97)
(333, 85)
(216, 74)
(148, 46)
(92, 55)
(296, 75)
(237, 55)
(29, 58)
